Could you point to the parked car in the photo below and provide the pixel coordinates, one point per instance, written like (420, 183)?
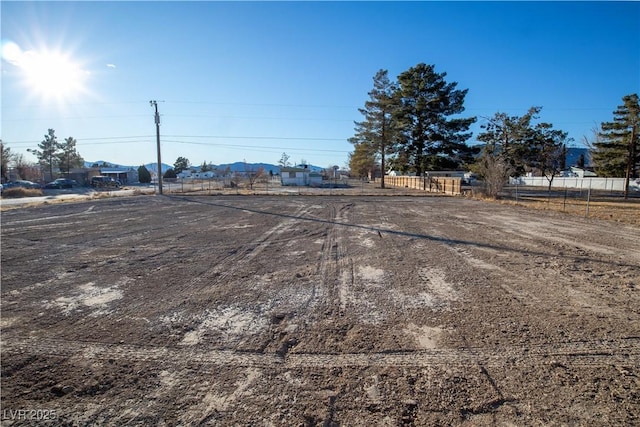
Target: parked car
(21, 183)
(62, 183)
(104, 182)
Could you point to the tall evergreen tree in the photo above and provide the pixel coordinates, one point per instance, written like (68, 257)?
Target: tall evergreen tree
(380, 128)
(144, 176)
(181, 164)
(508, 137)
(429, 136)
(362, 162)
(618, 151)
(206, 167)
(5, 157)
(69, 157)
(48, 151)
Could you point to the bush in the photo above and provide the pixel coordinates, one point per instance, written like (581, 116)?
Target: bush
(18, 192)
(170, 173)
(144, 176)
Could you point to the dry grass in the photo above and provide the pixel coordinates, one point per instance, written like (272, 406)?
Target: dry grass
(600, 207)
(19, 192)
(620, 210)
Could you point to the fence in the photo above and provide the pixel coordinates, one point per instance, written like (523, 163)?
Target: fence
(606, 184)
(262, 185)
(444, 185)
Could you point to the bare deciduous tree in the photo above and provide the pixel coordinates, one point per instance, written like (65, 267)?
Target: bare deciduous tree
(495, 170)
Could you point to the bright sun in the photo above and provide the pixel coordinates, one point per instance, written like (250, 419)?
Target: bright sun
(49, 74)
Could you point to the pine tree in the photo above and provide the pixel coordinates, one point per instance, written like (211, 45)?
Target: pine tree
(69, 157)
(362, 162)
(144, 176)
(49, 150)
(182, 163)
(429, 137)
(618, 151)
(380, 129)
(5, 157)
(508, 137)
(205, 167)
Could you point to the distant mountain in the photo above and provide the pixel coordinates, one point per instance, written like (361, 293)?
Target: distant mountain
(574, 153)
(151, 167)
(241, 166)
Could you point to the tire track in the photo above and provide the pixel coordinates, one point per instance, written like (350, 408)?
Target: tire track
(245, 254)
(335, 266)
(623, 352)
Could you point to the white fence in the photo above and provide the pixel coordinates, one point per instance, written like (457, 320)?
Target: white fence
(607, 184)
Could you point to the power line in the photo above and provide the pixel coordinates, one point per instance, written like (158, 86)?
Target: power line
(208, 116)
(254, 149)
(241, 104)
(254, 146)
(283, 138)
(71, 118)
(237, 104)
(82, 140)
(109, 140)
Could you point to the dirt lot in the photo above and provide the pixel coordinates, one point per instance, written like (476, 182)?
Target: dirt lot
(327, 310)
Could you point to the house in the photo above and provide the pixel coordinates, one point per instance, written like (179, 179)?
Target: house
(300, 176)
(204, 175)
(582, 173)
(126, 175)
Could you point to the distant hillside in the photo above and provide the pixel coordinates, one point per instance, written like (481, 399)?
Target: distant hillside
(242, 167)
(574, 153)
(152, 167)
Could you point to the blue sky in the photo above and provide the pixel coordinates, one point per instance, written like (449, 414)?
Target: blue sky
(251, 80)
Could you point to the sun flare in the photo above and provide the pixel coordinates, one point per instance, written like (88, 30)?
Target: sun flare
(47, 74)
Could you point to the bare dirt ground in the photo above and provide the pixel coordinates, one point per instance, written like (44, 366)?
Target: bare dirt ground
(317, 310)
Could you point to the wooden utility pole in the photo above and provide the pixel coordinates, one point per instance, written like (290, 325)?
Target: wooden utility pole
(157, 118)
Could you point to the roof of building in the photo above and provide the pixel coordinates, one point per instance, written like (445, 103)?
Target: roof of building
(289, 169)
(115, 170)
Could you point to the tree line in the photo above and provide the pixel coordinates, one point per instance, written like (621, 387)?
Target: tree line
(415, 124)
(51, 154)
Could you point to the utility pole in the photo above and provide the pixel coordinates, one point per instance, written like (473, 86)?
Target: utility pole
(157, 117)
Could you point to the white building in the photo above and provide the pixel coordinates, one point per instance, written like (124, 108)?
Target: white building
(300, 176)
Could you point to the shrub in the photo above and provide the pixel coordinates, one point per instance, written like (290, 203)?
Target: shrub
(144, 176)
(18, 192)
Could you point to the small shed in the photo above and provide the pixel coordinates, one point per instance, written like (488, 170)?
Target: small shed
(300, 176)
